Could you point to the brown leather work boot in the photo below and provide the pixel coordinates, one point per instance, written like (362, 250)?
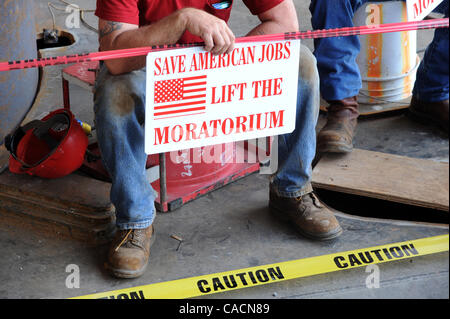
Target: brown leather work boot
(431, 112)
(307, 214)
(129, 252)
(337, 135)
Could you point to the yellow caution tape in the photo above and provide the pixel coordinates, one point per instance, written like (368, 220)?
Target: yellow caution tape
(266, 274)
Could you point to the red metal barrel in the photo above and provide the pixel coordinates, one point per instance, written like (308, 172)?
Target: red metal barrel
(195, 172)
(200, 165)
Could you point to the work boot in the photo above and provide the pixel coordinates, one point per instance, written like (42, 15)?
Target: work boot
(430, 112)
(129, 252)
(337, 135)
(307, 214)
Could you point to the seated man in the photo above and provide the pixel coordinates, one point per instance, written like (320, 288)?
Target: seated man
(120, 106)
(340, 80)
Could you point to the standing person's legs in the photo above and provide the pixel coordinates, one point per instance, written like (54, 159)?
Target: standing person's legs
(430, 94)
(340, 80)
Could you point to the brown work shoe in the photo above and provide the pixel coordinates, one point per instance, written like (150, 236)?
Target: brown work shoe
(129, 252)
(309, 216)
(337, 134)
(430, 112)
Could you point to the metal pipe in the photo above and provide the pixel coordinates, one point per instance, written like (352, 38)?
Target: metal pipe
(162, 181)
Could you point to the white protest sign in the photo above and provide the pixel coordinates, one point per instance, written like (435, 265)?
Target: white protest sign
(419, 9)
(197, 99)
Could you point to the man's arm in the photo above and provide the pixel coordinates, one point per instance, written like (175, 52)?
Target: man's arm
(215, 33)
(281, 18)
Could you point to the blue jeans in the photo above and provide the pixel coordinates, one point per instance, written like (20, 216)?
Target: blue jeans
(119, 106)
(336, 57)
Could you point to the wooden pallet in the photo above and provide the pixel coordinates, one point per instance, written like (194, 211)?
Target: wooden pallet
(74, 206)
(375, 109)
(401, 179)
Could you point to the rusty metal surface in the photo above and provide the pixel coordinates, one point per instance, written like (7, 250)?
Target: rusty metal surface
(49, 97)
(17, 41)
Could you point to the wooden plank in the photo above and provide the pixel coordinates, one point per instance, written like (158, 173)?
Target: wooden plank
(375, 109)
(73, 206)
(4, 158)
(406, 180)
(86, 195)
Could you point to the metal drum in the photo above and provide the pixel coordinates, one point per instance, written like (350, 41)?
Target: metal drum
(200, 166)
(17, 42)
(195, 172)
(388, 62)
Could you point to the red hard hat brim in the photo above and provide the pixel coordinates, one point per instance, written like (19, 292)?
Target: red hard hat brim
(34, 156)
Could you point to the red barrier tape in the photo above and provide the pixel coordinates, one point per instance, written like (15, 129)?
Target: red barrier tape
(125, 53)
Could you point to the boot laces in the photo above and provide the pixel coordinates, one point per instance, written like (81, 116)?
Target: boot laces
(132, 237)
(314, 198)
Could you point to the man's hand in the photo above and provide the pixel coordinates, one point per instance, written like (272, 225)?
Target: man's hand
(216, 34)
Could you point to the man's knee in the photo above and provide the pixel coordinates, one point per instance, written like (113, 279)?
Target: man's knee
(309, 83)
(308, 67)
(119, 94)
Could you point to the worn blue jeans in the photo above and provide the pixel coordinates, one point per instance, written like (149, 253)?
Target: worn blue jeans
(336, 57)
(119, 106)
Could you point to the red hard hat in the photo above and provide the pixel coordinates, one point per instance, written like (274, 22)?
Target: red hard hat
(50, 148)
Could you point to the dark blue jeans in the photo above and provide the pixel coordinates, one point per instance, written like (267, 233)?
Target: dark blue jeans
(336, 57)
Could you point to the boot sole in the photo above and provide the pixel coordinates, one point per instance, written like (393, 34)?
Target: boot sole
(334, 148)
(426, 119)
(129, 274)
(280, 215)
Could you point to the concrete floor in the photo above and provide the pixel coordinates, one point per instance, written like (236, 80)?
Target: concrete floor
(231, 228)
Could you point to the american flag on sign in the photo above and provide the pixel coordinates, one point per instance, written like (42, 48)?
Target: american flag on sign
(180, 97)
